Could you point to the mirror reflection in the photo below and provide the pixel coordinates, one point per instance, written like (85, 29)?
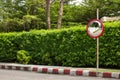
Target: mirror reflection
(95, 28)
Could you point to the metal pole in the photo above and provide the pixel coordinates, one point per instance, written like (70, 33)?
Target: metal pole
(97, 54)
(97, 13)
(97, 63)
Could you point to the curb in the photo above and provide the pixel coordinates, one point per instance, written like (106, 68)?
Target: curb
(55, 70)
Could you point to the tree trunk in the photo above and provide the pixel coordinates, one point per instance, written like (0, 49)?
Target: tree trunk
(48, 14)
(60, 13)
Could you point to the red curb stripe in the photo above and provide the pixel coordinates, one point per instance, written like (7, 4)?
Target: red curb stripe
(92, 74)
(35, 69)
(66, 71)
(44, 70)
(26, 68)
(107, 75)
(79, 72)
(55, 71)
(9, 67)
(3, 67)
(17, 67)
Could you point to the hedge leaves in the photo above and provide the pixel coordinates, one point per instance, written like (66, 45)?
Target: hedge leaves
(65, 47)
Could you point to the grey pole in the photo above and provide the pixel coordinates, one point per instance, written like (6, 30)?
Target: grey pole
(97, 62)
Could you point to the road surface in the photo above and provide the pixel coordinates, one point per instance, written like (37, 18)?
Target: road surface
(24, 75)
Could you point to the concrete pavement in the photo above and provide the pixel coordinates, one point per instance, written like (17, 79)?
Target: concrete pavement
(26, 75)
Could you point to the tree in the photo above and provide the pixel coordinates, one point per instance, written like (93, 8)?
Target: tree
(107, 7)
(48, 14)
(60, 13)
(1, 11)
(48, 20)
(112, 7)
(31, 19)
(22, 15)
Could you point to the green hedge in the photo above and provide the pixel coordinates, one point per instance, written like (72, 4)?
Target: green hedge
(64, 47)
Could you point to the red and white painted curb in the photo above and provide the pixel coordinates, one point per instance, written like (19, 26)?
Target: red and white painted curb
(66, 71)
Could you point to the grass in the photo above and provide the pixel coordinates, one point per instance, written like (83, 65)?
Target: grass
(103, 70)
(109, 70)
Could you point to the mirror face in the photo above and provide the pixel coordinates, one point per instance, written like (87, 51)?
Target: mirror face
(95, 28)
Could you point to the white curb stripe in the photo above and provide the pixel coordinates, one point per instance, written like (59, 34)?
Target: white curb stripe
(115, 75)
(57, 70)
(60, 71)
(73, 72)
(6, 67)
(85, 72)
(14, 68)
(50, 70)
(40, 69)
(100, 74)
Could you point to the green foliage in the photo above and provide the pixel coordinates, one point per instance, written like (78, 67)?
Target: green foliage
(20, 15)
(65, 47)
(8, 48)
(23, 57)
(106, 7)
(24, 15)
(9, 25)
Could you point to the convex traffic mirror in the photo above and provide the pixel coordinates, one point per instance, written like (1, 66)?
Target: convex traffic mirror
(95, 28)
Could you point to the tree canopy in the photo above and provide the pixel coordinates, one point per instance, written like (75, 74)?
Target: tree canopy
(19, 15)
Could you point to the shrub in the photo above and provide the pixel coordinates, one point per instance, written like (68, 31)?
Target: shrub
(23, 57)
(64, 47)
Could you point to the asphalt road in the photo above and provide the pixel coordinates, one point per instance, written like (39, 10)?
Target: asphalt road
(24, 75)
